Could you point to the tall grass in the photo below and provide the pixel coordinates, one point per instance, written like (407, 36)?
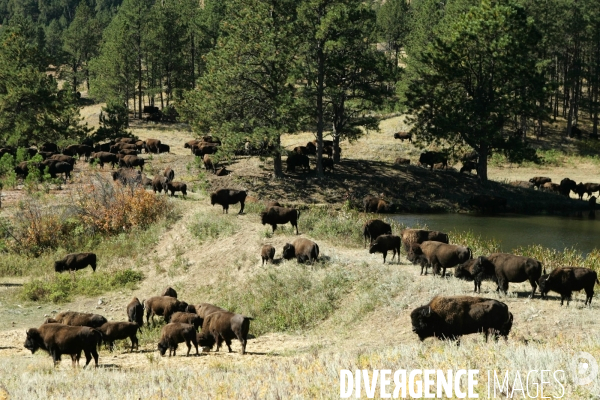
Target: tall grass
(206, 226)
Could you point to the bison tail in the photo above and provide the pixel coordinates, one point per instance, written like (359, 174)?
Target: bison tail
(470, 253)
(543, 268)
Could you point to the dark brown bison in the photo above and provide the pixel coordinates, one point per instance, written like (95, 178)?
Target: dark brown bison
(208, 163)
(539, 181)
(373, 228)
(103, 147)
(75, 318)
(152, 146)
(454, 316)
(49, 147)
(127, 176)
(328, 149)
(59, 339)
(468, 166)
(135, 311)
(401, 161)
(187, 318)
(164, 148)
(64, 158)
(190, 144)
(226, 197)
(128, 152)
(521, 184)
(76, 261)
(275, 215)
(311, 148)
(297, 160)
(486, 203)
(438, 255)
(104, 157)
(169, 173)
(477, 271)
(591, 188)
(302, 249)
(163, 306)
(54, 167)
(327, 164)
(410, 236)
(174, 333)
(433, 157)
(567, 280)
(551, 187)
(384, 243)
(159, 183)
(580, 190)
(203, 148)
(205, 309)
(169, 291)
(511, 268)
(112, 331)
(303, 150)
(267, 252)
(376, 205)
(222, 326)
(566, 186)
(403, 136)
(132, 162)
(177, 187)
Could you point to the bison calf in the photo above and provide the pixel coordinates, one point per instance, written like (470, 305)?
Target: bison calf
(174, 333)
(112, 331)
(385, 243)
(267, 253)
(224, 326)
(302, 249)
(76, 261)
(374, 228)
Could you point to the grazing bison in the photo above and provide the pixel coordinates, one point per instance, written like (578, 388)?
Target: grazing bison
(454, 316)
(438, 255)
(127, 176)
(521, 184)
(433, 157)
(297, 160)
(302, 249)
(63, 158)
(551, 187)
(591, 188)
(169, 173)
(267, 252)
(566, 186)
(56, 167)
(384, 243)
(275, 215)
(75, 318)
(226, 197)
(373, 228)
(187, 318)
(135, 311)
(159, 183)
(410, 236)
(163, 306)
(376, 205)
(51, 147)
(539, 181)
(403, 136)
(468, 166)
(104, 157)
(486, 203)
(132, 162)
(205, 309)
(76, 261)
(174, 333)
(59, 339)
(222, 326)
(401, 161)
(112, 331)
(511, 268)
(477, 271)
(152, 146)
(567, 280)
(177, 187)
(169, 291)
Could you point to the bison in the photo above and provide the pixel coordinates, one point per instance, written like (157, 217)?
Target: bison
(468, 166)
(169, 291)
(477, 271)
(512, 268)
(174, 333)
(135, 311)
(403, 136)
(104, 157)
(410, 236)
(433, 157)
(373, 228)
(384, 243)
(267, 252)
(297, 160)
(132, 162)
(208, 163)
(454, 316)
(63, 158)
(205, 309)
(591, 188)
(127, 176)
(566, 186)
(112, 331)
(169, 173)
(438, 255)
(226, 197)
(401, 161)
(187, 318)
(302, 249)
(275, 215)
(539, 181)
(76, 261)
(163, 306)
(223, 326)
(566, 280)
(159, 183)
(75, 318)
(376, 205)
(59, 339)
(177, 187)
(152, 146)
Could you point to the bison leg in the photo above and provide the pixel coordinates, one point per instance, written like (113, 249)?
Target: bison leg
(533, 284)
(242, 208)
(296, 226)
(55, 357)
(228, 343)
(74, 360)
(274, 226)
(88, 357)
(189, 346)
(384, 256)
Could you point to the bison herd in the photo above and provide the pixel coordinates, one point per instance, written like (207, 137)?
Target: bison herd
(202, 325)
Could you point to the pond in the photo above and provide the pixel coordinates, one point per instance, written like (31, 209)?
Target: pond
(513, 231)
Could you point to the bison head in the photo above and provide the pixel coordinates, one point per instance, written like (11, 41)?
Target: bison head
(374, 247)
(191, 309)
(415, 253)
(163, 346)
(289, 251)
(263, 217)
(462, 272)
(205, 340)
(422, 322)
(213, 199)
(544, 285)
(33, 342)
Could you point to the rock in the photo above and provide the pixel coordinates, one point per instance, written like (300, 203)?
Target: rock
(39, 307)
(100, 302)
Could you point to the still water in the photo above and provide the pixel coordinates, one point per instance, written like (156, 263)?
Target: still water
(515, 230)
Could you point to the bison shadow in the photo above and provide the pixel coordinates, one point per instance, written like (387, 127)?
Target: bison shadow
(11, 284)
(110, 366)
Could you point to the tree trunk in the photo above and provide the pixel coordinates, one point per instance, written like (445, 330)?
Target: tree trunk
(483, 163)
(336, 147)
(320, 94)
(277, 164)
